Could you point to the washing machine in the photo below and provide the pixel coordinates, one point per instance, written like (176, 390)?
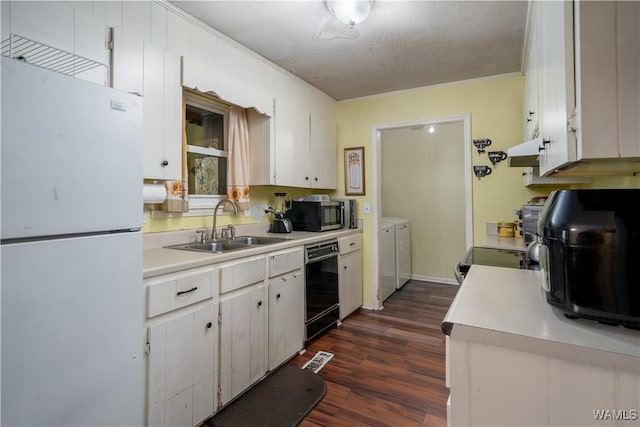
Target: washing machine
(387, 240)
(402, 251)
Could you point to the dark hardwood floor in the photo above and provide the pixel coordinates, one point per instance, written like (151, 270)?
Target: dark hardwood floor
(388, 367)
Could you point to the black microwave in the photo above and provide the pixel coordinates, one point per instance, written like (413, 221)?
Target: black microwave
(308, 215)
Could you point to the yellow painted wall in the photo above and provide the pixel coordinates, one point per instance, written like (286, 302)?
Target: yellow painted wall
(260, 195)
(495, 107)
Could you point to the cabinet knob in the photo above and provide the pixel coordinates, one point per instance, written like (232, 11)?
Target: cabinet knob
(345, 267)
(209, 325)
(278, 296)
(316, 178)
(306, 178)
(165, 163)
(529, 120)
(531, 113)
(259, 303)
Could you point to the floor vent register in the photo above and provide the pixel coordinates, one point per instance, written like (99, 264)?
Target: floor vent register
(318, 361)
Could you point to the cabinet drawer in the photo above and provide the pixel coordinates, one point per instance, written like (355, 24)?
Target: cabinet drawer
(286, 261)
(350, 243)
(242, 273)
(173, 291)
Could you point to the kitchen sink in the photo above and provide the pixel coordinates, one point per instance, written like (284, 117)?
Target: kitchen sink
(257, 240)
(222, 246)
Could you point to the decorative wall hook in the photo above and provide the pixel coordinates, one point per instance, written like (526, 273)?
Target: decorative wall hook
(481, 144)
(497, 156)
(482, 171)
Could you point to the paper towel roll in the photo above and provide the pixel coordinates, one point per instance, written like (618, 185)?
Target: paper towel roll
(154, 193)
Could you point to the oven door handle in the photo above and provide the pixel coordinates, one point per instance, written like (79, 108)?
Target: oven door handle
(321, 258)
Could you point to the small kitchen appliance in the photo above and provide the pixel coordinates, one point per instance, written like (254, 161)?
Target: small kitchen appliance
(589, 252)
(280, 223)
(349, 213)
(316, 214)
(530, 215)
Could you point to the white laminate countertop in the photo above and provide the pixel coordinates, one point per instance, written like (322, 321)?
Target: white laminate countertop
(510, 301)
(160, 260)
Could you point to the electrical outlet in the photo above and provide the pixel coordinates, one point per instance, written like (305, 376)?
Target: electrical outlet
(366, 208)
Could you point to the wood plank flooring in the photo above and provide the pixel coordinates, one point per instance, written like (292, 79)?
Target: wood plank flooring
(388, 367)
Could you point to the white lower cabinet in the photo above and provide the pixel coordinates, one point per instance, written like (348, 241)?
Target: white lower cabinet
(182, 347)
(243, 342)
(243, 326)
(181, 363)
(350, 274)
(286, 305)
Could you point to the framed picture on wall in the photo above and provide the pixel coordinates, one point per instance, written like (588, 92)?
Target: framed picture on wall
(354, 171)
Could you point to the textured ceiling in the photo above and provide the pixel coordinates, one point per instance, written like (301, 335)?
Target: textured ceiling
(401, 45)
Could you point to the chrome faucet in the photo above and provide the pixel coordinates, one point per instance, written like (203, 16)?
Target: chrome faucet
(214, 235)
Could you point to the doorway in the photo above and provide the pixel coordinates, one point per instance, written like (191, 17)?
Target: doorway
(422, 172)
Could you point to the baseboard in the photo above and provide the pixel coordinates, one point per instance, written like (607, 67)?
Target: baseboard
(443, 280)
(367, 306)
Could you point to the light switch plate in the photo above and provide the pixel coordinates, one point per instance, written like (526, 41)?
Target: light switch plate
(366, 208)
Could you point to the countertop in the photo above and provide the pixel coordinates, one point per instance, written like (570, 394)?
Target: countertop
(160, 260)
(498, 300)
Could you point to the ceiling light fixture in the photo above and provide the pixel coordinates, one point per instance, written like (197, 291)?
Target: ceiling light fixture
(432, 129)
(350, 12)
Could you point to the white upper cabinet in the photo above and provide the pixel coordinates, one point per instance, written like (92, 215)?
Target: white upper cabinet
(556, 83)
(588, 81)
(302, 149)
(127, 64)
(608, 79)
(153, 72)
(162, 114)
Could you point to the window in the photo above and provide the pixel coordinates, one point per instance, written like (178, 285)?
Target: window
(206, 125)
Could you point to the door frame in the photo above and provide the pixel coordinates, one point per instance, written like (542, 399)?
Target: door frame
(376, 162)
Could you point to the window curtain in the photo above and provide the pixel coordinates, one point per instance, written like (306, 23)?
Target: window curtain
(177, 191)
(238, 161)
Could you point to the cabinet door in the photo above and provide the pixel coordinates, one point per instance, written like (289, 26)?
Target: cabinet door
(322, 163)
(90, 42)
(162, 114)
(127, 69)
(350, 283)
(557, 84)
(243, 357)
(181, 355)
(286, 318)
(292, 144)
(531, 110)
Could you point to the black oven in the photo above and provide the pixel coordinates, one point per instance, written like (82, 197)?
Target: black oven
(321, 290)
(493, 257)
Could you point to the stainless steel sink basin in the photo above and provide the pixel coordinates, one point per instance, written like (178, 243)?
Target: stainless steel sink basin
(242, 242)
(217, 247)
(257, 240)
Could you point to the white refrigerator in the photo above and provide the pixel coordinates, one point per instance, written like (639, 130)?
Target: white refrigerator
(72, 299)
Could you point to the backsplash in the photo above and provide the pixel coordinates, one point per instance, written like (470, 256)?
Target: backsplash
(260, 196)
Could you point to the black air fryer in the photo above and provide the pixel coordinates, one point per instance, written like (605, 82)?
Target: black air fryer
(590, 254)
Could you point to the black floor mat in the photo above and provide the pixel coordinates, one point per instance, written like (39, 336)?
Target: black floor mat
(282, 399)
